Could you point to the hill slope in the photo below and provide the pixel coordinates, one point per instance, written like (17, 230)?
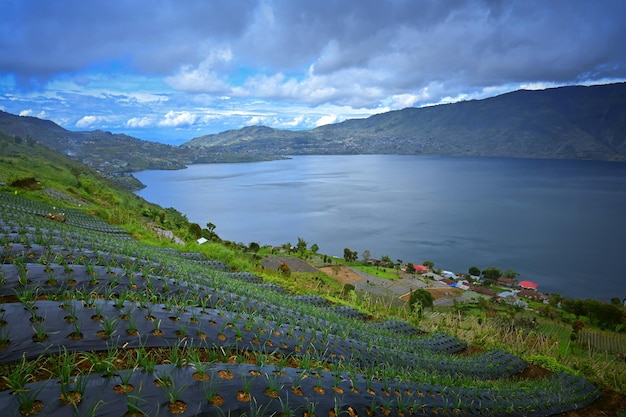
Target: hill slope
(104, 151)
(568, 122)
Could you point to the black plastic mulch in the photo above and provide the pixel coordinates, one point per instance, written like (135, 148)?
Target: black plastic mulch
(274, 390)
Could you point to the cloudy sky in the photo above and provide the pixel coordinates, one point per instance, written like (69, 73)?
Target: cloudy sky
(171, 70)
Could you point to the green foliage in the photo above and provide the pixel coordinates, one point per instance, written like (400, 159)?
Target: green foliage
(350, 255)
(420, 299)
(491, 274)
(550, 363)
(605, 316)
(195, 230)
(347, 289)
(301, 246)
(475, 271)
(314, 248)
(510, 273)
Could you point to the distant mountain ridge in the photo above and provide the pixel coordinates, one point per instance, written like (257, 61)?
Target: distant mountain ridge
(573, 122)
(104, 151)
(566, 122)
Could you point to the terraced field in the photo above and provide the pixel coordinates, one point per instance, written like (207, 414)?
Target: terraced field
(93, 323)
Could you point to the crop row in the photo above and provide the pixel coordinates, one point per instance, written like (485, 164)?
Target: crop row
(71, 216)
(240, 389)
(95, 324)
(604, 342)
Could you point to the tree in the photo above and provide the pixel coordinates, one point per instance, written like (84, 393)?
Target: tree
(315, 248)
(429, 264)
(410, 268)
(195, 230)
(475, 271)
(510, 273)
(492, 273)
(366, 255)
(349, 255)
(301, 246)
(419, 300)
(254, 247)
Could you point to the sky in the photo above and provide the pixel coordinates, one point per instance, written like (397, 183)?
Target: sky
(171, 70)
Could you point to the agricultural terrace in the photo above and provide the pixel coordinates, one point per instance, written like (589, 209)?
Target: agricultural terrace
(94, 323)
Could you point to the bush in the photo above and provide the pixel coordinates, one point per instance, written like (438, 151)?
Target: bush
(284, 269)
(347, 288)
(29, 183)
(422, 299)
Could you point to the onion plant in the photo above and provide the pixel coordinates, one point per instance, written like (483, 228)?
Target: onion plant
(27, 400)
(21, 375)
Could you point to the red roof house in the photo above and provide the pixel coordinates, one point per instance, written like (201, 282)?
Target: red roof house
(528, 285)
(421, 269)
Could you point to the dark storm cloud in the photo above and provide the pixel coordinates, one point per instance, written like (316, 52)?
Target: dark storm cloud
(293, 63)
(474, 40)
(45, 37)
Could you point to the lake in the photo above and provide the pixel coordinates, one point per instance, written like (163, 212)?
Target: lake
(561, 224)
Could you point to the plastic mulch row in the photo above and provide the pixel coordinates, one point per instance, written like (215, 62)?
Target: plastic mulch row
(213, 329)
(213, 298)
(220, 388)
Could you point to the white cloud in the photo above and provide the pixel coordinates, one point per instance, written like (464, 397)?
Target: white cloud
(256, 120)
(88, 121)
(401, 101)
(140, 122)
(326, 120)
(177, 119)
(295, 122)
(29, 112)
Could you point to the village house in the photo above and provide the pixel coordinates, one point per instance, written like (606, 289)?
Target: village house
(506, 282)
(484, 291)
(528, 285)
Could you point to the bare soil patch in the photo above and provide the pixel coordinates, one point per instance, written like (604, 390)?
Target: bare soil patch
(344, 276)
(439, 292)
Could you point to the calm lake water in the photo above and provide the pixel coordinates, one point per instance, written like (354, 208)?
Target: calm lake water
(559, 223)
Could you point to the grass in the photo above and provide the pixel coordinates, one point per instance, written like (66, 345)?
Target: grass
(379, 272)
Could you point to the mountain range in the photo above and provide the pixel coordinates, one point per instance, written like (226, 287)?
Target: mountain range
(574, 122)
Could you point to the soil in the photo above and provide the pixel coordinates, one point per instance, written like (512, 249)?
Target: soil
(439, 293)
(177, 407)
(243, 397)
(344, 276)
(37, 407)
